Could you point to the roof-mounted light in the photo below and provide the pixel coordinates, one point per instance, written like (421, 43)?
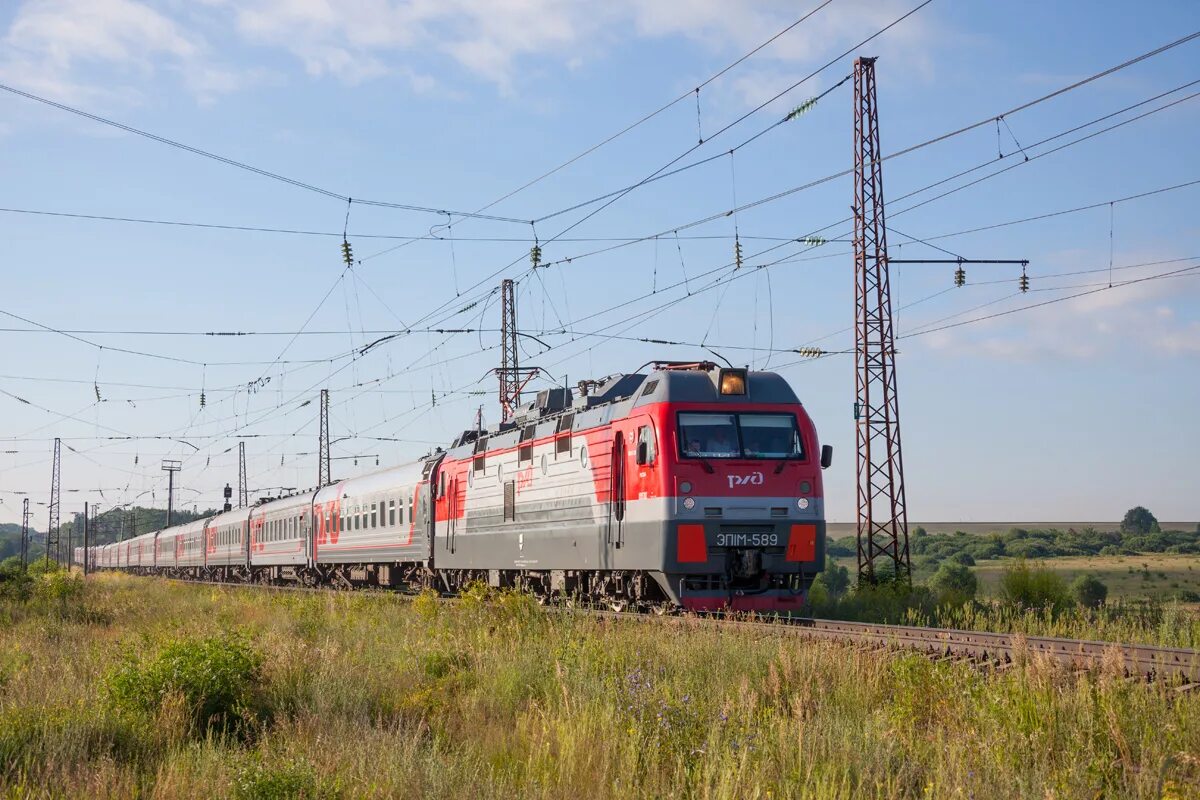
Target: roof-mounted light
(732, 381)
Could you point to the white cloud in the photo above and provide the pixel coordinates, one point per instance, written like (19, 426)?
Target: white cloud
(61, 48)
(55, 46)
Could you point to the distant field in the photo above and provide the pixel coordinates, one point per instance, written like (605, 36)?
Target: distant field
(836, 530)
(1169, 574)
(1156, 575)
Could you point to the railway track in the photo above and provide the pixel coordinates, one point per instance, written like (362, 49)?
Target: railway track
(1174, 664)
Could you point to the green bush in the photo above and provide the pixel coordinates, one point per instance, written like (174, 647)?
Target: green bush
(42, 566)
(219, 679)
(1024, 586)
(293, 779)
(834, 580)
(964, 558)
(954, 584)
(1089, 591)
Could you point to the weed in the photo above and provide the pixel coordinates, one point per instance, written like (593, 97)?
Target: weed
(217, 679)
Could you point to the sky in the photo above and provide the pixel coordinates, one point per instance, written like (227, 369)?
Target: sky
(1074, 401)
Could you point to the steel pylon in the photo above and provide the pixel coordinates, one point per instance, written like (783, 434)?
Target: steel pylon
(882, 515)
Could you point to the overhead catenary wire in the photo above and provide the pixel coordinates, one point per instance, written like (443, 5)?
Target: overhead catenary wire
(244, 166)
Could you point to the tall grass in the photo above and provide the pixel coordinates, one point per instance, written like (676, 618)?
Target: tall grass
(373, 696)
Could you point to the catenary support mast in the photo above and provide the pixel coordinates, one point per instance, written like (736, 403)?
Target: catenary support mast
(52, 548)
(882, 516)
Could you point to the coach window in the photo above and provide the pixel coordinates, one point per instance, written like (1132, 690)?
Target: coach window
(392, 513)
(374, 515)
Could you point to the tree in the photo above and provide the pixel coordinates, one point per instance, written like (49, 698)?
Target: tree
(1089, 591)
(954, 584)
(1139, 520)
(835, 580)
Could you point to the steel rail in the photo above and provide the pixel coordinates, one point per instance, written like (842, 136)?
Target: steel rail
(1150, 662)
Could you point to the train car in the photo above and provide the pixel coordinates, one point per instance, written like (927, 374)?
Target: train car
(691, 485)
(189, 548)
(365, 529)
(142, 553)
(77, 556)
(166, 550)
(279, 538)
(227, 544)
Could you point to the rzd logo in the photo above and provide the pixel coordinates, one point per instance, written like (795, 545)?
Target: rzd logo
(753, 479)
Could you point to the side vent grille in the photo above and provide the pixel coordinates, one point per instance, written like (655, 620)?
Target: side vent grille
(712, 512)
(779, 512)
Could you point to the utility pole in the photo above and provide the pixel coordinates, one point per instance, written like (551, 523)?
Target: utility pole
(882, 514)
(86, 538)
(55, 497)
(171, 467)
(243, 495)
(71, 538)
(323, 473)
(25, 532)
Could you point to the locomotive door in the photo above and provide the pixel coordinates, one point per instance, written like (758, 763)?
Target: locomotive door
(616, 495)
(452, 504)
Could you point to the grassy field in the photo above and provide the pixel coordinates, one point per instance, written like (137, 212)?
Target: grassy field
(1159, 576)
(1156, 576)
(353, 695)
(836, 530)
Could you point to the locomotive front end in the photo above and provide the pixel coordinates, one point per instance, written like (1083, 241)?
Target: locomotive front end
(746, 513)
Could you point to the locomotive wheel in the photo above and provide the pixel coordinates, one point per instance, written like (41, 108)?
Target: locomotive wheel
(618, 605)
(661, 609)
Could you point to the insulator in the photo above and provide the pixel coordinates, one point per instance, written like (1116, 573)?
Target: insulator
(96, 386)
(347, 253)
(737, 253)
(281, 459)
(801, 109)
(377, 461)
(960, 276)
(535, 256)
(356, 462)
(1023, 282)
(813, 241)
(135, 460)
(203, 401)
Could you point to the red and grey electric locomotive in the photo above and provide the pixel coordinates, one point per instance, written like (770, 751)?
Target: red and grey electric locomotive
(689, 485)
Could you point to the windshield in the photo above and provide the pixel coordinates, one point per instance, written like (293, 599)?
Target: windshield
(747, 435)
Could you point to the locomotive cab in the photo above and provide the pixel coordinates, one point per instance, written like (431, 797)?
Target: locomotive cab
(746, 508)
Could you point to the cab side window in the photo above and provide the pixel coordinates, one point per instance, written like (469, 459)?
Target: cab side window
(646, 452)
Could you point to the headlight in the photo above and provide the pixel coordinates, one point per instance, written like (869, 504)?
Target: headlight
(733, 381)
(685, 487)
(802, 503)
(805, 487)
(689, 503)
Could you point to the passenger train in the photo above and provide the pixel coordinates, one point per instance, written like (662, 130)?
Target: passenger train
(687, 485)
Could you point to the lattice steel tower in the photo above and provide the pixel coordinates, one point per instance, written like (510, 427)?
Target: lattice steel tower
(882, 517)
(25, 531)
(323, 472)
(55, 503)
(243, 494)
(510, 371)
